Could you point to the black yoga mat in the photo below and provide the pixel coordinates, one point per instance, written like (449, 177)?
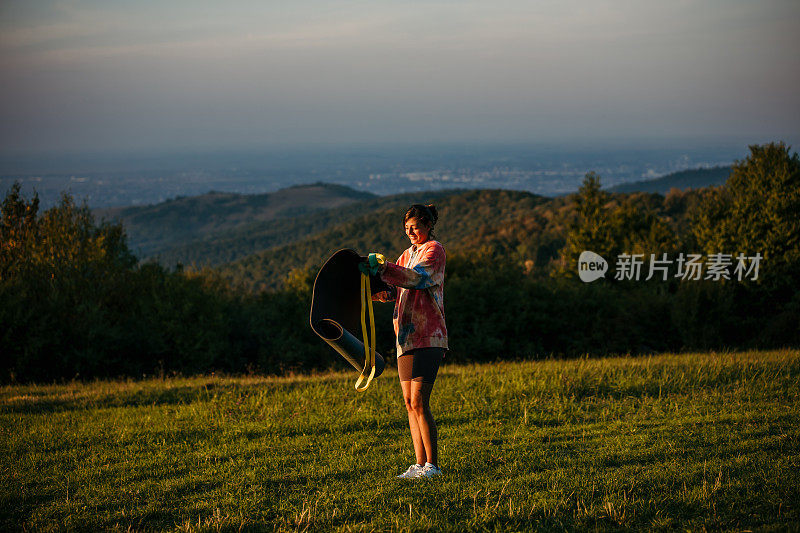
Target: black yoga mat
(336, 307)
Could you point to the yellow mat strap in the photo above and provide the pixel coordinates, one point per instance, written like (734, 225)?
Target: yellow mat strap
(369, 342)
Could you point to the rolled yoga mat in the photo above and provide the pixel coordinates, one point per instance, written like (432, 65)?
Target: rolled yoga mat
(336, 307)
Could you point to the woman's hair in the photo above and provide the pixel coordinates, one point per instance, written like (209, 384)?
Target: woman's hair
(426, 214)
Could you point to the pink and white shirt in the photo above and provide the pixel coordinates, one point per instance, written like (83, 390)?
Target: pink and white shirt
(417, 281)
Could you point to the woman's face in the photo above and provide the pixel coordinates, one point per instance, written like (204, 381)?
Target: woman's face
(417, 232)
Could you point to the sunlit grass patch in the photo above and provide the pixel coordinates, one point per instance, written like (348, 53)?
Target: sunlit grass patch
(695, 441)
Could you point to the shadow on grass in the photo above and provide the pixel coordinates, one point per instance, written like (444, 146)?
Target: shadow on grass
(139, 396)
(155, 397)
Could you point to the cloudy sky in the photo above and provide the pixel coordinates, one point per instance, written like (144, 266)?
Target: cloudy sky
(94, 75)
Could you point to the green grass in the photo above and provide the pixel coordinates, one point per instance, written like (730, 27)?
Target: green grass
(692, 441)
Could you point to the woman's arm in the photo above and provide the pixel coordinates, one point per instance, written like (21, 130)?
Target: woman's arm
(429, 272)
(385, 296)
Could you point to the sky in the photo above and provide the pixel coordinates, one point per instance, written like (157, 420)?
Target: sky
(96, 76)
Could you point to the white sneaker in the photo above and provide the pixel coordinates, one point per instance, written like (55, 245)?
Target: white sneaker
(429, 470)
(412, 472)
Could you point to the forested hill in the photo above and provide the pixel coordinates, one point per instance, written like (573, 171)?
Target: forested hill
(156, 228)
(512, 226)
(219, 228)
(77, 303)
(230, 245)
(464, 216)
(693, 178)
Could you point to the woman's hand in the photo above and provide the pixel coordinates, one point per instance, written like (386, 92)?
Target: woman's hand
(373, 265)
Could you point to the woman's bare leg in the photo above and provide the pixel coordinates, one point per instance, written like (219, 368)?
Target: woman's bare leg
(420, 405)
(416, 437)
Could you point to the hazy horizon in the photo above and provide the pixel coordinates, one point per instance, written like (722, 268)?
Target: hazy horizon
(88, 77)
(106, 181)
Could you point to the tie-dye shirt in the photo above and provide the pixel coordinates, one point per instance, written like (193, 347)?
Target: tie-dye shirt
(416, 282)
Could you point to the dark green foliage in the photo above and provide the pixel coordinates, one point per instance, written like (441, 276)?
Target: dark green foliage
(757, 210)
(60, 275)
(610, 227)
(76, 304)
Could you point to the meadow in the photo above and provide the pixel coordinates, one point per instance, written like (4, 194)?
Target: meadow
(699, 441)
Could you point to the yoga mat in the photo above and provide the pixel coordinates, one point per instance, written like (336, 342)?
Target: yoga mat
(336, 307)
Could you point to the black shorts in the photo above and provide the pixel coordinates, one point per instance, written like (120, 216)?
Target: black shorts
(420, 364)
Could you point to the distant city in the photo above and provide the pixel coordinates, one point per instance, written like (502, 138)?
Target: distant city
(106, 181)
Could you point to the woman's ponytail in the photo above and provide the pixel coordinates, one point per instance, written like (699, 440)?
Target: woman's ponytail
(434, 213)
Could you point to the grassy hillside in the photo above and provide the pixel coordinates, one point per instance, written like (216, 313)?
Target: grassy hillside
(218, 228)
(273, 233)
(699, 441)
(693, 178)
(154, 228)
(466, 219)
(518, 226)
(257, 240)
(229, 245)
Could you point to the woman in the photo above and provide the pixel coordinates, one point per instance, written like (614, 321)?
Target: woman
(416, 283)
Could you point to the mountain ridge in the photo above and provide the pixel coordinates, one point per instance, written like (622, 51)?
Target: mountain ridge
(684, 179)
(156, 227)
(228, 246)
(237, 233)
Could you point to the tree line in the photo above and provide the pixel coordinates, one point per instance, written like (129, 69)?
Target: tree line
(77, 303)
